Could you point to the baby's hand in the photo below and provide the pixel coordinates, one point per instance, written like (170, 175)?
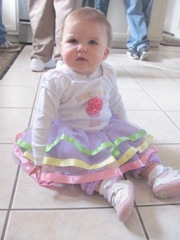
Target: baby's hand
(37, 171)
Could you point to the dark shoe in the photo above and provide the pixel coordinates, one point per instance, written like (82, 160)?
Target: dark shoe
(133, 53)
(144, 53)
(10, 47)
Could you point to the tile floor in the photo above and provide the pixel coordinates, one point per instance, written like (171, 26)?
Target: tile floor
(151, 92)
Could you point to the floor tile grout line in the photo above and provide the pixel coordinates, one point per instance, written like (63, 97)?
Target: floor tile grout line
(88, 208)
(16, 178)
(149, 95)
(157, 205)
(139, 207)
(10, 205)
(141, 222)
(139, 216)
(158, 105)
(59, 209)
(144, 206)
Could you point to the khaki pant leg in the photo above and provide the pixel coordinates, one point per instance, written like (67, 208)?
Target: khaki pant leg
(62, 9)
(42, 18)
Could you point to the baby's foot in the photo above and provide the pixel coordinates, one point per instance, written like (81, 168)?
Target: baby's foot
(167, 184)
(120, 195)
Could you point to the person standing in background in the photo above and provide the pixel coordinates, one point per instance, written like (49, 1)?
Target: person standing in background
(47, 17)
(138, 14)
(101, 5)
(5, 45)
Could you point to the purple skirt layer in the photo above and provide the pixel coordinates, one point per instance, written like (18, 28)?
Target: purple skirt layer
(79, 156)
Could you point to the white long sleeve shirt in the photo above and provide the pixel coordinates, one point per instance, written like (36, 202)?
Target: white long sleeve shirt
(65, 94)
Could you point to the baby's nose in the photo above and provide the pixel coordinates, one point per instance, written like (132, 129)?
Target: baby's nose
(82, 48)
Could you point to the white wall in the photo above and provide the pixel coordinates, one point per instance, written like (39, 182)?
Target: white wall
(172, 20)
(9, 14)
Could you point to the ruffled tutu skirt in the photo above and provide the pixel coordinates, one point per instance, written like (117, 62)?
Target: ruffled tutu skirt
(78, 156)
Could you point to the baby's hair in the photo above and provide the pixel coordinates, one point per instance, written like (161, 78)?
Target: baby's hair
(91, 14)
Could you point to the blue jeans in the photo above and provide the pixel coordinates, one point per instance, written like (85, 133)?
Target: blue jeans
(3, 31)
(138, 17)
(101, 5)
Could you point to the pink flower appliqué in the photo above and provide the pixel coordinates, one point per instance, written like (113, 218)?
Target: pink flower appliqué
(94, 106)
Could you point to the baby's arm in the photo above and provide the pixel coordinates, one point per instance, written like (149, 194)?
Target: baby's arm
(116, 104)
(37, 171)
(46, 113)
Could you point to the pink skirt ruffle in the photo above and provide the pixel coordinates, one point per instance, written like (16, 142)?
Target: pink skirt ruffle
(77, 156)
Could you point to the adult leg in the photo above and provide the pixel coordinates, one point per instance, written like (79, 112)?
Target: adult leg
(102, 5)
(42, 18)
(144, 46)
(3, 31)
(147, 10)
(136, 23)
(62, 9)
(6, 46)
(84, 3)
(90, 3)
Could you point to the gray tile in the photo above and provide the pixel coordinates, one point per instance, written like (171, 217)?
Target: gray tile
(2, 220)
(161, 222)
(156, 123)
(66, 196)
(150, 90)
(12, 122)
(9, 167)
(91, 224)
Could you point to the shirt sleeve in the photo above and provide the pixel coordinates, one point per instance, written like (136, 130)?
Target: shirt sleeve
(48, 105)
(116, 102)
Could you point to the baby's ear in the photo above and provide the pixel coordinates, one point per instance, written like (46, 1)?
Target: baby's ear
(106, 53)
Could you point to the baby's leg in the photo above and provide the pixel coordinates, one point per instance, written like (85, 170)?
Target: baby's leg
(165, 181)
(118, 192)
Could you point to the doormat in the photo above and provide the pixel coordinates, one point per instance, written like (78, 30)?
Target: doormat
(6, 61)
(168, 40)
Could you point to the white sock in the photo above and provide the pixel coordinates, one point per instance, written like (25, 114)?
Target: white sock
(156, 171)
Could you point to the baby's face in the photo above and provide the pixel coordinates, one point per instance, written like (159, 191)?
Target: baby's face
(84, 46)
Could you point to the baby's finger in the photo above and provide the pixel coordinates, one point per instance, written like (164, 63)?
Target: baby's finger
(33, 170)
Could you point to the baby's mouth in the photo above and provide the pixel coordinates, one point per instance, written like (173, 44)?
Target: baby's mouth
(81, 59)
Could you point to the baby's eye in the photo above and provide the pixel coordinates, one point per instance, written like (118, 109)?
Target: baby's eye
(73, 40)
(92, 42)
